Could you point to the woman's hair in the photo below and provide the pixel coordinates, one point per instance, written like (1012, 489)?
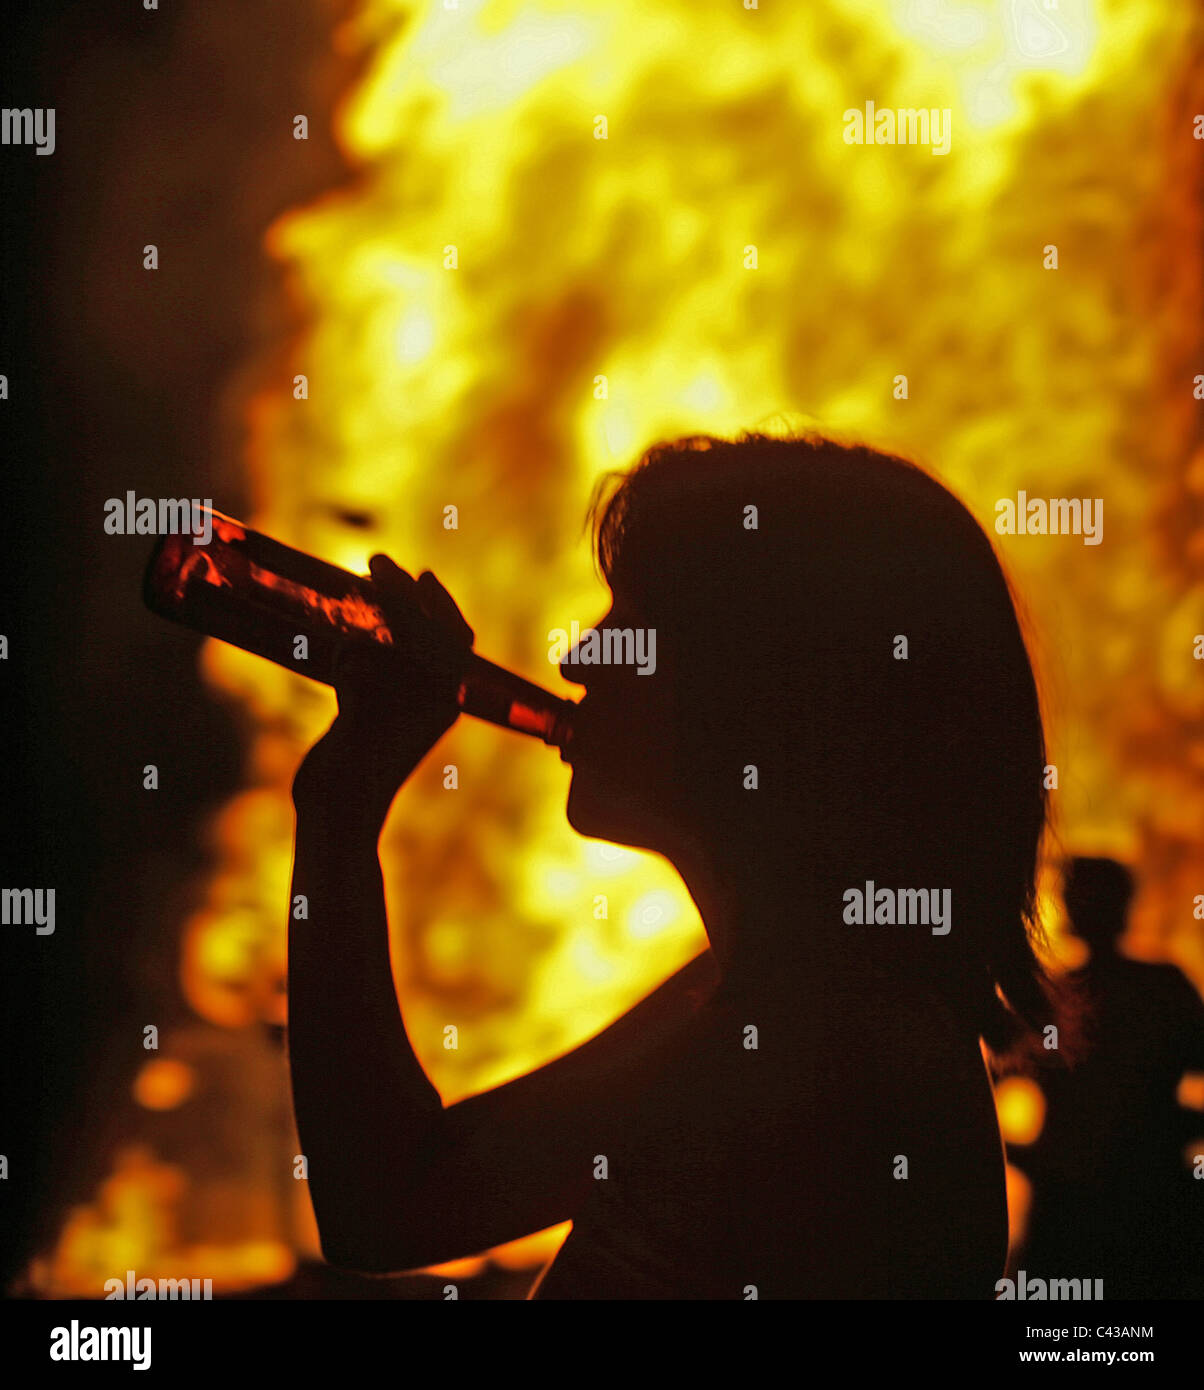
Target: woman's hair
(836, 618)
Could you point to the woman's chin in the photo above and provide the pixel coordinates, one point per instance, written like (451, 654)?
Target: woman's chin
(585, 815)
(599, 817)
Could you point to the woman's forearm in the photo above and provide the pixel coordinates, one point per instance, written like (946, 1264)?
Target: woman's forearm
(364, 1107)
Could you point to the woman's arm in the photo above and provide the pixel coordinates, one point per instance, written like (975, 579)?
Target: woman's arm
(397, 1180)
(363, 1105)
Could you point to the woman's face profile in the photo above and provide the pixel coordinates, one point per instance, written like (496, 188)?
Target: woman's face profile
(622, 750)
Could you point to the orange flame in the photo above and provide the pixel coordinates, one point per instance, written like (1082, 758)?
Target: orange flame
(572, 231)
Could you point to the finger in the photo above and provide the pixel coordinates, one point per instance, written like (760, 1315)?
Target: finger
(396, 592)
(387, 571)
(391, 579)
(440, 606)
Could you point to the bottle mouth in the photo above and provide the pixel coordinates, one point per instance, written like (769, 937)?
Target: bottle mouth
(562, 732)
(558, 731)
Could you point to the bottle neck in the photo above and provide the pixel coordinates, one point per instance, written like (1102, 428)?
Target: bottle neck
(495, 694)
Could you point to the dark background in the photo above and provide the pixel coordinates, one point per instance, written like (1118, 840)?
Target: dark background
(172, 127)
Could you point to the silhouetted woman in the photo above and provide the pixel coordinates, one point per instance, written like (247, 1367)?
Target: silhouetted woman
(842, 696)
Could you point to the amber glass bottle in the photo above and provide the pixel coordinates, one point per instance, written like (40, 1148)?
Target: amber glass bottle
(248, 589)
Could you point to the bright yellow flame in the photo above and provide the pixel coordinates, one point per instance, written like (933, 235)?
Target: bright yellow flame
(548, 262)
(132, 1225)
(653, 913)
(532, 1250)
(415, 336)
(1020, 1104)
(459, 1269)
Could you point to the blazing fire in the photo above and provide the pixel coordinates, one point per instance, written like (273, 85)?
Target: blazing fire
(571, 231)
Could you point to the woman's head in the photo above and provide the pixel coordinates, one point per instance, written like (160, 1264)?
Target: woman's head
(841, 686)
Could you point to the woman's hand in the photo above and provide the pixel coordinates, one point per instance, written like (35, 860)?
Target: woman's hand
(391, 712)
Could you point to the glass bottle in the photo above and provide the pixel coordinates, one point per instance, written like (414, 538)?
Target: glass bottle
(247, 589)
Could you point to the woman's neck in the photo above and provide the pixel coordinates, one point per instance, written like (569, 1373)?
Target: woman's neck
(781, 942)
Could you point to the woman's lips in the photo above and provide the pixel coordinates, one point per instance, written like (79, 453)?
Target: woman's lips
(571, 752)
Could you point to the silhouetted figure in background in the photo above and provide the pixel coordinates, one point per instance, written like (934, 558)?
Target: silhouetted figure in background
(1113, 1196)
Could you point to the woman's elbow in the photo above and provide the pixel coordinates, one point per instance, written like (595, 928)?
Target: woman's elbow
(360, 1252)
(347, 1239)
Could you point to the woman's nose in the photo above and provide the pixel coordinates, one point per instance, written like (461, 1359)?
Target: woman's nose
(582, 672)
(570, 668)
